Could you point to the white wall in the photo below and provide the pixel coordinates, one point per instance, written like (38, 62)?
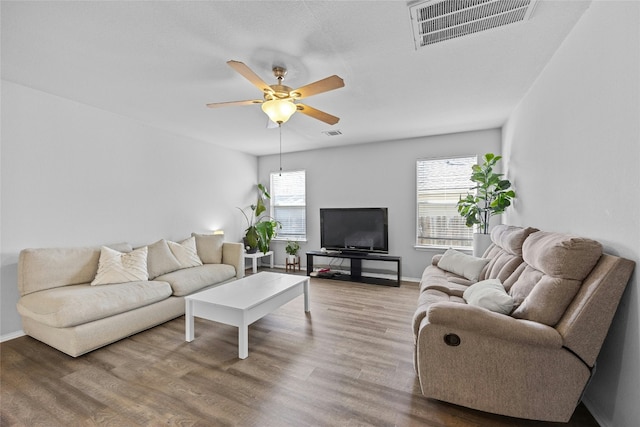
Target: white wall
(74, 175)
(573, 150)
(372, 175)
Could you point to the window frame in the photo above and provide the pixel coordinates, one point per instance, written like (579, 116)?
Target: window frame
(473, 158)
(273, 206)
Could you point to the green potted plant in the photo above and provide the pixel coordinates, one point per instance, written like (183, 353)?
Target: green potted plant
(292, 249)
(491, 197)
(260, 229)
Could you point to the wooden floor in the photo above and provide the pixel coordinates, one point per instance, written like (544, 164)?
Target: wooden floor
(347, 363)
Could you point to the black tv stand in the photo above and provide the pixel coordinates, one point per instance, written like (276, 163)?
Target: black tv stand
(356, 259)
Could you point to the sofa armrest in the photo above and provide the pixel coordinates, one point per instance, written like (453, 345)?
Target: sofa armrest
(233, 254)
(479, 321)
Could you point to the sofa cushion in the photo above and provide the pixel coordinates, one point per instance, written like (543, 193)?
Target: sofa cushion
(160, 259)
(489, 294)
(450, 288)
(190, 280)
(505, 252)
(462, 264)
(73, 305)
(121, 267)
(527, 280)
(510, 238)
(548, 299)
(502, 266)
(185, 252)
(45, 268)
(556, 265)
(561, 255)
(209, 247)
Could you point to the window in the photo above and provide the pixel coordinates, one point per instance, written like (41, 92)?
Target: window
(440, 184)
(288, 204)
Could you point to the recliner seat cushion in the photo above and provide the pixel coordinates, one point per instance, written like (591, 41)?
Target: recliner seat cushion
(73, 305)
(444, 281)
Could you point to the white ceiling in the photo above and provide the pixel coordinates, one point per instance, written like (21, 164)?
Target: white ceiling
(160, 62)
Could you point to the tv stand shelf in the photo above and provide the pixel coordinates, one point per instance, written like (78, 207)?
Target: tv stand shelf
(356, 266)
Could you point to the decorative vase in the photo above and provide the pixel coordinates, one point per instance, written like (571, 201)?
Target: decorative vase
(481, 242)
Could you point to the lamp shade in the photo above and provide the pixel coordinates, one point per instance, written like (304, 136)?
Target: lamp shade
(279, 110)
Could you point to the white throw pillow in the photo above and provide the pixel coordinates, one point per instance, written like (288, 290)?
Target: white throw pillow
(462, 264)
(489, 294)
(121, 267)
(185, 252)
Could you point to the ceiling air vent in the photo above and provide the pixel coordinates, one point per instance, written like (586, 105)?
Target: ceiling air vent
(332, 132)
(435, 21)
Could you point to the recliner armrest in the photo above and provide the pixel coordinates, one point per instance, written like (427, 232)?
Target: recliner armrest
(477, 320)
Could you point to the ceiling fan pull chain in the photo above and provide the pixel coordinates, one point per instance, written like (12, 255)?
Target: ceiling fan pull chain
(280, 126)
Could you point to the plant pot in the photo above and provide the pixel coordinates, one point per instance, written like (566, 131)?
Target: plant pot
(249, 249)
(292, 258)
(480, 243)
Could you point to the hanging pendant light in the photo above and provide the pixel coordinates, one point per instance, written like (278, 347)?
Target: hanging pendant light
(279, 110)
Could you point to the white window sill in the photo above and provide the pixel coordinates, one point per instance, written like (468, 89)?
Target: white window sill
(442, 248)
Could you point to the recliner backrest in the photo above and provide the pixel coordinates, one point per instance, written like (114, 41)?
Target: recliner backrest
(505, 252)
(556, 265)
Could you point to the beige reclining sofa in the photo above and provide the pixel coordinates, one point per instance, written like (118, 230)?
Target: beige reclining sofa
(518, 333)
(80, 299)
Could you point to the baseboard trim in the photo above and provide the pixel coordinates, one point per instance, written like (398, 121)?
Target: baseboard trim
(596, 413)
(11, 336)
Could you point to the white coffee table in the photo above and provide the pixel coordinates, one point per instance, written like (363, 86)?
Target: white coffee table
(242, 302)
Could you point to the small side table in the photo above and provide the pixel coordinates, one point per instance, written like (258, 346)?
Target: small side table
(255, 256)
(292, 264)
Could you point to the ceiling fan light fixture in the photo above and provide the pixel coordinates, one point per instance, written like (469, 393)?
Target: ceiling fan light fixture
(279, 110)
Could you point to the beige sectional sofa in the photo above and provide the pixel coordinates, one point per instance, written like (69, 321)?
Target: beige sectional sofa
(528, 347)
(79, 299)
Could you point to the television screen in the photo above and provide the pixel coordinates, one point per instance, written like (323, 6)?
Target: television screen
(354, 229)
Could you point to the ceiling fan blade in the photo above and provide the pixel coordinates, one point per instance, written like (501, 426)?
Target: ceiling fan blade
(234, 103)
(324, 85)
(317, 114)
(248, 74)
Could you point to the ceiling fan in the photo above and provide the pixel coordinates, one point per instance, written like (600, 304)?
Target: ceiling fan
(279, 101)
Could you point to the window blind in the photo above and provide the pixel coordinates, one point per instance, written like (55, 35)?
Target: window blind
(440, 184)
(288, 203)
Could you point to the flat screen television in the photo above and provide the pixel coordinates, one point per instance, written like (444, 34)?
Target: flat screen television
(354, 229)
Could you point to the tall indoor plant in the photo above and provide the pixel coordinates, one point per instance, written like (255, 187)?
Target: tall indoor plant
(491, 197)
(260, 229)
